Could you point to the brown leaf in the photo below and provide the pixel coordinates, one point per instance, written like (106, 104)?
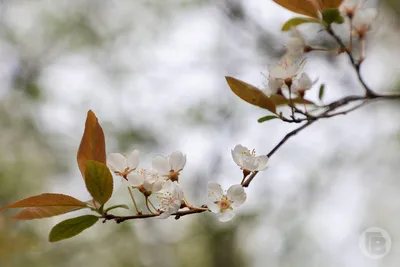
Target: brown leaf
(280, 100)
(331, 4)
(250, 94)
(92, 145)
(300, 100)
(308, 7)
(45, 200)
(44, 212)
(304, 7)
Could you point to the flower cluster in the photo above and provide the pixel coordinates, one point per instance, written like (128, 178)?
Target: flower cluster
(162, 178)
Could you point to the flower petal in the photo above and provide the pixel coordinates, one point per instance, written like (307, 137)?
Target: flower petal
(151, 176)
(295, 48)
(133, 160)
(147, 185)
(177, 161)
(249, 163)
(116, 162)
(164, 215)
(262, 162)
(161, 164)
(302, 83)
(213, 206)
(239, 149)
(274, 85)
(237, 195)
(135, 179)
(237, 154)
(364, 17)
(214, 191)
(177, 192)
(226, 216)
(157, 186)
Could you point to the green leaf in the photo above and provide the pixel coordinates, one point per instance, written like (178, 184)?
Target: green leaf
(267, 118)
(332, 15)
(116, 207)
(250, 94)
(321, 91)
(99, 181)
(297, 21)
(71, 227)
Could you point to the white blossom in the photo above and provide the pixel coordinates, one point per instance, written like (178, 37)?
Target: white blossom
(274, 85)
(295, 48)
(223, 204)
(122, 165)
(247, 160)
(363, 19)
(350, 6)
(286, 69)
(171, 166)
(303, 83)
(146, 179)
(282, 74)
(171, 199)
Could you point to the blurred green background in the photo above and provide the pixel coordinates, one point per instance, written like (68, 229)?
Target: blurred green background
(153, 72)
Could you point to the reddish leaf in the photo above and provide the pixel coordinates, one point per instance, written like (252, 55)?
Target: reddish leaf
(308, 7)
(250, 94)
(304, 7)
(92, 145)
(44, 212)
(331, 3)
(45, 200)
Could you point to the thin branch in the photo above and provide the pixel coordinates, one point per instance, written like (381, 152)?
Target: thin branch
(327, 114)
(356, 65)
(287, 136)
(119, 219)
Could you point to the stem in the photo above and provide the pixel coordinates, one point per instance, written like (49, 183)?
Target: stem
(351, 34)
(147, 206)
(134, 201)
(152, 205)
(291, 102)
(362, 50)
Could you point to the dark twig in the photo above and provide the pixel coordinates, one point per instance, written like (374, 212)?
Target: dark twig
(356, 65)
(120, 219)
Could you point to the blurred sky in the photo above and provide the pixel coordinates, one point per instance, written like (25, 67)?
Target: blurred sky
(163, 61)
